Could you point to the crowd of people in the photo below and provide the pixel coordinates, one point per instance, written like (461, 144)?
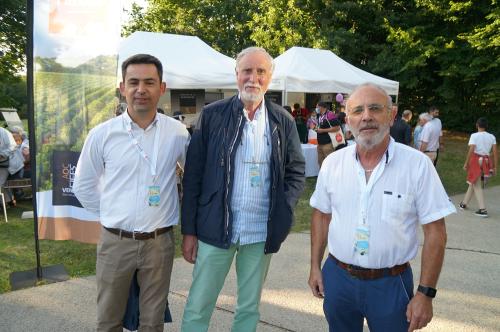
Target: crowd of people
(243, 175)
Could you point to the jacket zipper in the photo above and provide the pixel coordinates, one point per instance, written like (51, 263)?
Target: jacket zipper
(229, 174)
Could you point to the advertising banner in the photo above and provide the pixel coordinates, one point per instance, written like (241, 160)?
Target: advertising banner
(75, 60)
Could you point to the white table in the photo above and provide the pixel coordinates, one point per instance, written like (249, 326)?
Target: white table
(310, 152)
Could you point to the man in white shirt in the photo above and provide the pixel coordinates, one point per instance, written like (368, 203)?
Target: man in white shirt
(126, 176)
(431, 136)
(7, 147)
(369, 200)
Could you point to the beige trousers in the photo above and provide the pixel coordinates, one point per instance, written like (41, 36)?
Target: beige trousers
(323, 151)
(477, 189)
(117, 260)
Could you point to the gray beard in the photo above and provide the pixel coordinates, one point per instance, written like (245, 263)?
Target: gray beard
(251, 97)
(369, 143)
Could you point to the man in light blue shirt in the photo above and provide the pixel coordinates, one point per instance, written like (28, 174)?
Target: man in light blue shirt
(244, 174)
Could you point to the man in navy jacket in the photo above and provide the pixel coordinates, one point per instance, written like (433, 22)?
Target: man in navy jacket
(244, 174)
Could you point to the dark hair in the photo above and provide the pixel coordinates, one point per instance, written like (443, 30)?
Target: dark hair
(288, 109)
(433, 108)
(296, 106)
(482, 123)
(322, 104)
(140, 59)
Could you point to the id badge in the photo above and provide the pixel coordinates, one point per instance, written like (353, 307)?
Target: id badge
(154, 195)
(254, 175)
(362, 237)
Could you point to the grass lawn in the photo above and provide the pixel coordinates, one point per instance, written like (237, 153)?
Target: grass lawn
(17, 251)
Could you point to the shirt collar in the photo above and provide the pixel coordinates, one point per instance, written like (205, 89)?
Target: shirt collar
(132, 124)
(389, 154)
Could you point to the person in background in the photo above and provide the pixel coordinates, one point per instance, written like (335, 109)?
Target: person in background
(423, 118)
(16, 163)
(400, 129)
(481, 163)
(430, 137)
(326, 124)
(406, 116)
(244, 174)
(125, 176)
(312, 120)
(436, 122)
(7, 148)
(369, 201)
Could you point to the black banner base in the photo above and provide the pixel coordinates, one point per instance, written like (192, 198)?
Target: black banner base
(26, 279)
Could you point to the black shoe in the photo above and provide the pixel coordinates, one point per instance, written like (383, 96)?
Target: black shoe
(481, 213)
(462, 206)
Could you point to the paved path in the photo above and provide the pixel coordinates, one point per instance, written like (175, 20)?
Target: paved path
(468, 298)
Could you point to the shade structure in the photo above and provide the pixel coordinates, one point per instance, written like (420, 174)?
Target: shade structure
(188, 62)
(311, 70)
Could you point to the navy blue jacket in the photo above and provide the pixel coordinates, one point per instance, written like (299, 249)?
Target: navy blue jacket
(209, 174)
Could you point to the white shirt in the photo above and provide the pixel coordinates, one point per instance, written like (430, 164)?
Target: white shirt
(250, 204)
(430, 134)
(403, 191)
(7, 143)
(483, 142)
(113, 179)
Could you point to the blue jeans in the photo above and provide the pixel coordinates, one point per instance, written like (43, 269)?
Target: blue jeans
(348, 300)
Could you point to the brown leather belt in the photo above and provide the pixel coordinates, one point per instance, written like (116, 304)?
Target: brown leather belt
(138, 235)
(368, 274)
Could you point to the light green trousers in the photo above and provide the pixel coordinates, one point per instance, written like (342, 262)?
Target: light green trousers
(210, 271)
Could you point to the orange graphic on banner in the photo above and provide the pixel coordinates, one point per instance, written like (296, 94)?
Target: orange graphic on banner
(77, 13)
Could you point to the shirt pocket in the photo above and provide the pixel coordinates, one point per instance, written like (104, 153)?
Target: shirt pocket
(396, 207)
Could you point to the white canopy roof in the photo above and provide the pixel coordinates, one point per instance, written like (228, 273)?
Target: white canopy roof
(302, 69)
(188, 62)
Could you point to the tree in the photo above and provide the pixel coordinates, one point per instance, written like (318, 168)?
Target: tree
(13, 47)
(447, 53)
(280, 24)
(221, 24)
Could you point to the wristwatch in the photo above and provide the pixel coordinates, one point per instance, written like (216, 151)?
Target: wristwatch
(427, 291)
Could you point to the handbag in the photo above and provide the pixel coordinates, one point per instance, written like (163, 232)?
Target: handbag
(337, 137)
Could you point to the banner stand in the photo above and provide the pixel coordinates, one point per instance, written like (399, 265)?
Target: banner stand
(40, 275)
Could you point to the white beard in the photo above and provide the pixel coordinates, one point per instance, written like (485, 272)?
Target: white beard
(370, 142)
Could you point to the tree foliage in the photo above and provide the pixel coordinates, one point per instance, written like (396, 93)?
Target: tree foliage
(443, 52)
(13, 48)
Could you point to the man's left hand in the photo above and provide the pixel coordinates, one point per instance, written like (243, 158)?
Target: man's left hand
(419, 311)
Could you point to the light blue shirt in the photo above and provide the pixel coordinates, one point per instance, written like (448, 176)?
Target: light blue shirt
(252, 181)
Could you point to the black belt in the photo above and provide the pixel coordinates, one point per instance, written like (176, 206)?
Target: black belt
(138, 235)
(368, 274)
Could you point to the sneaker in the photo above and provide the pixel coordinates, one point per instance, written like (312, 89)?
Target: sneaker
(481, 213)
(462, 206)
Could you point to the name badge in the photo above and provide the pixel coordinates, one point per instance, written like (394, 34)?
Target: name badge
(154, 195)
(255, 178)
(361, 240)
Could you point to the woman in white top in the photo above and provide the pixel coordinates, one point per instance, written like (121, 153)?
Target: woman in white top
(481, 163)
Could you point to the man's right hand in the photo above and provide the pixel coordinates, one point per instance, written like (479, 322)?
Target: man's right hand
(316, 282)
(189, 248)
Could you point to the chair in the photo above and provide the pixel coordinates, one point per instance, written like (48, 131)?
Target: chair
(13, 184)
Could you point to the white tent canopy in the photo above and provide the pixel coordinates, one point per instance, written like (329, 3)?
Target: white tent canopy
(302, 69)
(188, 62)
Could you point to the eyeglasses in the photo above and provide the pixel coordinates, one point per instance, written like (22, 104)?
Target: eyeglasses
(372, 108)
